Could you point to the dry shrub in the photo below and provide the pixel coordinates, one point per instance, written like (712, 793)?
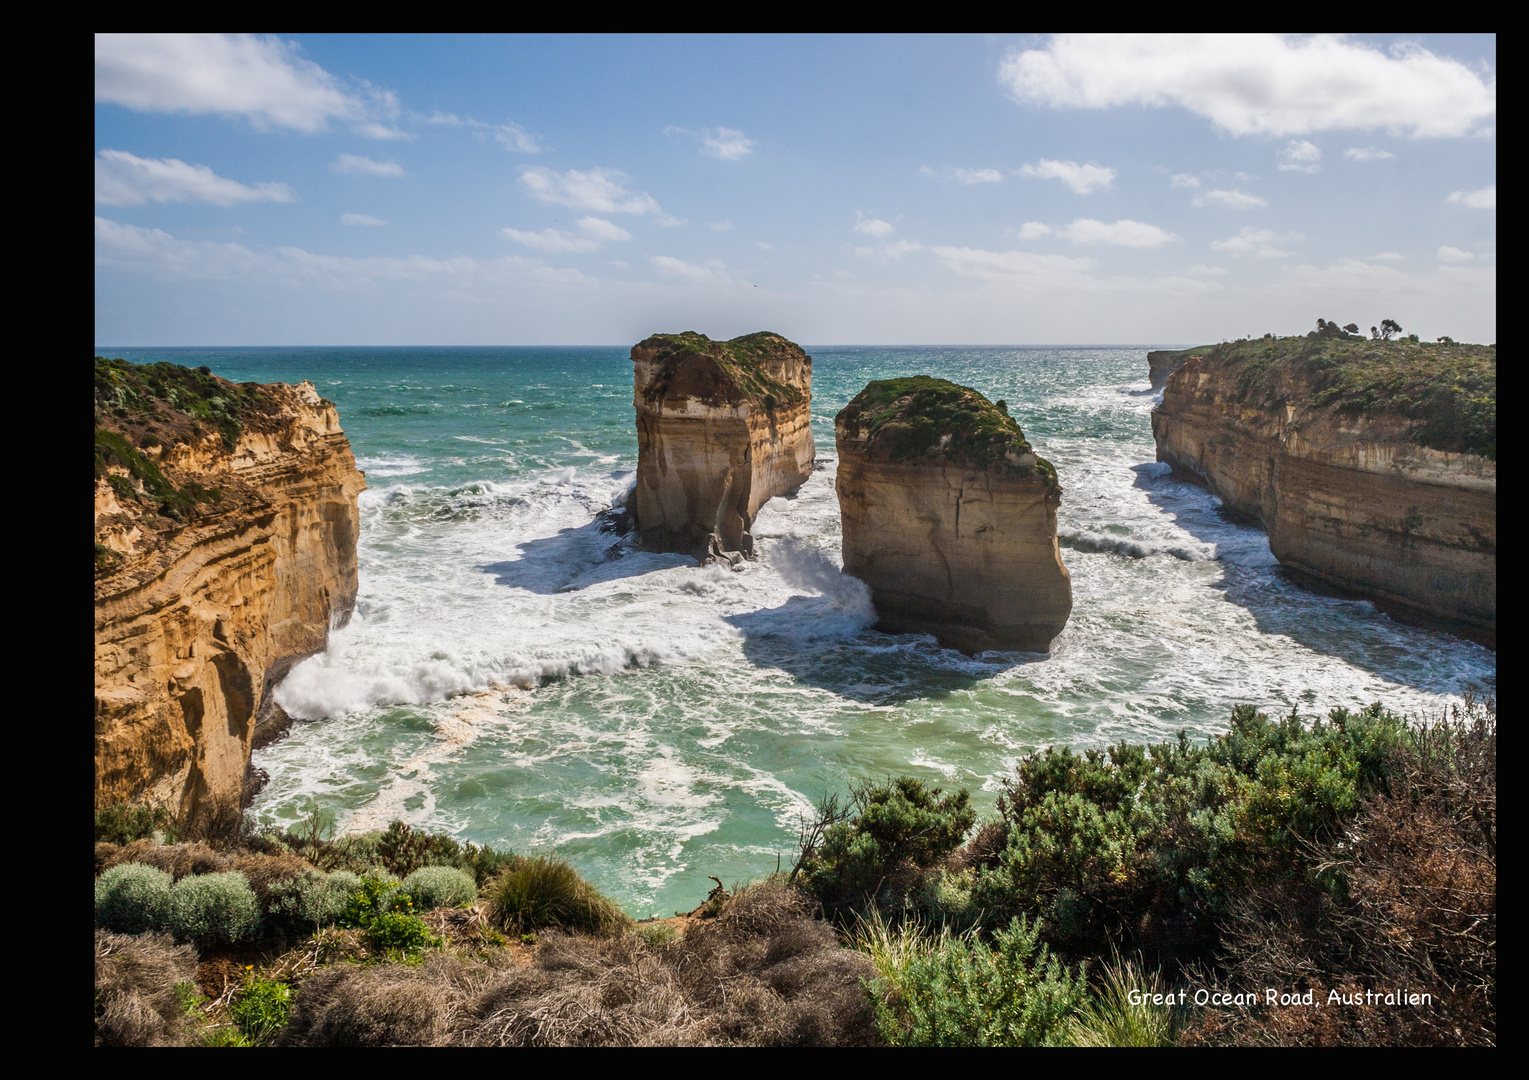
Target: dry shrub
(763, 972)
(1412, 905)
(264, 871)
(177, 860)
(387, 1005)
(106, 856)
(135, 989)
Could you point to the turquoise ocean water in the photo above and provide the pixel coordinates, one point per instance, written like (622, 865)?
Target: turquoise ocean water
(517, 677)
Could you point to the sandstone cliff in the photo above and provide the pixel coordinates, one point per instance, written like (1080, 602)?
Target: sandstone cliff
(950, 517)
(1160, 365)
(223, 557)
(722, 427)
(1371, 465)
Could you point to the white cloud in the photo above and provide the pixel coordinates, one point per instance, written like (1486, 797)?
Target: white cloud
(1389, 256)
(964, 176)
(593, 234)
(1258, 84)
(673, 267)
(374, 130)
(156, 253)
(601, 229)
(725, 143)
(1237, 200)
(1185, 180)
(509, 135)
(122, 179)
(1124, 233)
(1212, 271)
(1034, 230)
(600, 190)
(1485, 199)
(719, 226)
(552, 241)
(355, 163)
(1449, 254)
(1366, 153)
(1300, 155)
(1251, 241)
(764, 246)
(889, 252)
(262, 79)
(1081, 178)
(1010, 265)
(875, 227)
(360, 219)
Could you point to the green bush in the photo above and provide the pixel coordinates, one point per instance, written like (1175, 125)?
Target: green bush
(431, 887)
(1150, 842)
(261, 1007)
(214, 909)
(132, 898)
(954, 990)
(546, 892)
(314, 899)
(376, 893)
(399, 930)
(123, 823)
(895, 827)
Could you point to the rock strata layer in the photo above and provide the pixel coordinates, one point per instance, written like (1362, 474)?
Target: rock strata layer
(222, 558)
(950, 517)
(722, 427)
(1328, 453)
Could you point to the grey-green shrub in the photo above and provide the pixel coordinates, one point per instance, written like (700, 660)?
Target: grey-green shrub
(440, 886)
(214, 909)
(313, 898)
(132, 898)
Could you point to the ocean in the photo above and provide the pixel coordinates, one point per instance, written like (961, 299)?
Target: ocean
(517, 677)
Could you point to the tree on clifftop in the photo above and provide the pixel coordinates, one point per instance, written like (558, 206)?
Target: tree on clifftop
(1389, 328)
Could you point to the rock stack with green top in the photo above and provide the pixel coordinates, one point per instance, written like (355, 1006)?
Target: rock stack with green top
(950, 517)
(722, 427)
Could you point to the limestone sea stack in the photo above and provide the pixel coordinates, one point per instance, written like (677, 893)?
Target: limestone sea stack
(1371, 464)
(950, 517)
(225, 524)
(722, 427)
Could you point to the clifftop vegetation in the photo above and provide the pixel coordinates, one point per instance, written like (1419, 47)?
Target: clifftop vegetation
(1448, 390)
(921, 416)
(742, 364)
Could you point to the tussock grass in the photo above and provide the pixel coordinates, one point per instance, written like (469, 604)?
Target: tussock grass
(543, 892)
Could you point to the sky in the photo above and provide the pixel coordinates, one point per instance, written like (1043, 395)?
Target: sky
(1024, 190)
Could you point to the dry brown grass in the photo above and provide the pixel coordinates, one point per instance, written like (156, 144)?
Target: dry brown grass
(764, 972)
(177, 860)
(135, 989)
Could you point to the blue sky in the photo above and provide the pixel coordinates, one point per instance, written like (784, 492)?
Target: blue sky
(276, 190)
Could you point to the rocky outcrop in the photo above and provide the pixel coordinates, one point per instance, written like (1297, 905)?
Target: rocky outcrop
(722, 427)
(1328, 451)
(222, 558)
(1160, 365)
(950, 517)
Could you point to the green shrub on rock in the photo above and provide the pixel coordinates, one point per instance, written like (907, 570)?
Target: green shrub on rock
(132, 898)
(214, 909)
(440, 886)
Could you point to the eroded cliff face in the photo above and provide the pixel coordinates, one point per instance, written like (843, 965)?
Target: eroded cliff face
(1349, 499)
(722, 427)
(950, 518)
(204, 601)
(1160, 365)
